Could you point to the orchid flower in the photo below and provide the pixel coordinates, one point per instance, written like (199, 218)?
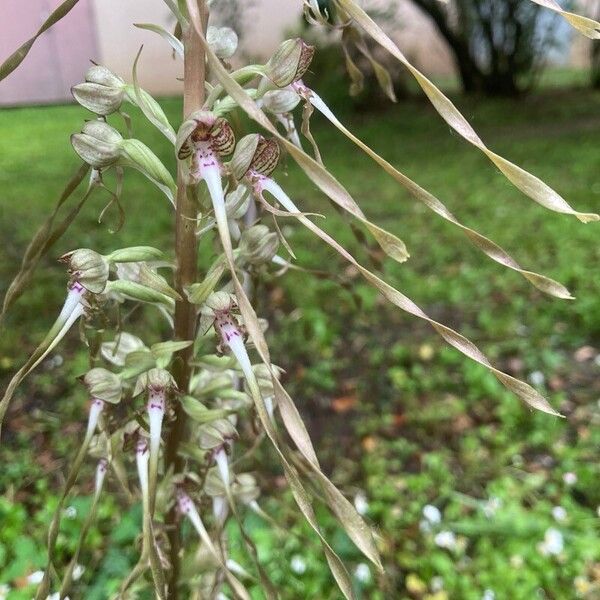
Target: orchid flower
(158, 383)
(142, 459)
(254, 160)
(217, 437)
(88, 272)
(231, 335)
(313, 98)
(205, 138)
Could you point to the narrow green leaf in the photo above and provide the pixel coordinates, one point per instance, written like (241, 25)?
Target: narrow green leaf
(17, 57)
(491, 249)
(167, 35)
(589, 27)
(529, 184)
(148, 105)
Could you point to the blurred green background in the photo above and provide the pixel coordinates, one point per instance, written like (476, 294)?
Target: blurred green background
(473, 495)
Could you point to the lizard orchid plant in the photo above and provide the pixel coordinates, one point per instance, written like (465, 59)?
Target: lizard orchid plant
(170, 420)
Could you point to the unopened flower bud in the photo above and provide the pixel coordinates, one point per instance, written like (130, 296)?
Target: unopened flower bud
(221, 302)
(102, 93)
(237, 202)
(223, 41)
(255, 153)
(258, 245)
(98, 144)
(244, 487)
(137, 155)
(290, 62)
(104, 385)
(116, 352)
(215, 434)
(88, 268)
(155, 380)
(281, 101)
(103, 76)
(265, 379)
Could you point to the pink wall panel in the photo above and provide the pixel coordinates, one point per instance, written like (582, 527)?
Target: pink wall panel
(58, 59)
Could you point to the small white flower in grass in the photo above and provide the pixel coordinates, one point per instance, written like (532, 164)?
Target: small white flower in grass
(70, 512)
(35, 577)
(537, 378)
(361, 504)
(516, 561)
(445, 539)
(298, 564)
(582, 586)
(491, 506)
(553, 543)
(432, 514)
(559, 514)
(488, 595)
(436, 584)
(78, 571)
(362, 573)
(570, 478)
(4, 591)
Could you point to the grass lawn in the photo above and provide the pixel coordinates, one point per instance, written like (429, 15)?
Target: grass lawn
(400, 419)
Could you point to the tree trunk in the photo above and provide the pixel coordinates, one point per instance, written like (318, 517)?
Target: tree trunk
(470, 75)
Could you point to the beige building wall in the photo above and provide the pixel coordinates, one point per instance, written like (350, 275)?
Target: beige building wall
(158, 72)
(119, 42)
(103, 31)
(268, 21)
